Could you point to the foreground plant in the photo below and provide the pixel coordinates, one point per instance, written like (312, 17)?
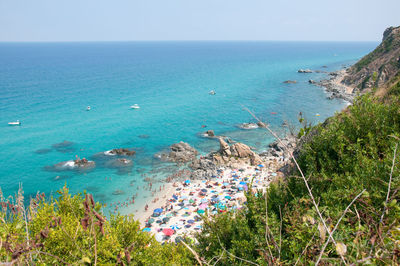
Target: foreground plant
(72, 230)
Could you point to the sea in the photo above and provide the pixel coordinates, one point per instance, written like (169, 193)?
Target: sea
(48, 86)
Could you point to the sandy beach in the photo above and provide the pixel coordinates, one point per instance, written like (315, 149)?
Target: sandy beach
(176, 210)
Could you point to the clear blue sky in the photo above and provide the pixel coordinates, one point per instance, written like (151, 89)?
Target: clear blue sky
(119, 20)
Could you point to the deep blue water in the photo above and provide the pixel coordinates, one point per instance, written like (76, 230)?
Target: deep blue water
(48, 86)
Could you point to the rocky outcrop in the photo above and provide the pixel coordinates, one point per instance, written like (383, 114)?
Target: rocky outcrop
(304, 71)
(224, 148)
(279, 149)
(210, 133)
(236, 153)
(379, 66)
(290, 82)
(248, 126)
(179, 152)
(121, 152)
(78, 165)
(203, 168)
(336, 88)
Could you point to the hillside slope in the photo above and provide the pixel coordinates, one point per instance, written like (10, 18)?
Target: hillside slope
(378, 67)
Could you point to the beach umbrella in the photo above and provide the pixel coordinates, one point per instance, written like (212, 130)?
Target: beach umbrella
(242, 183)
(155, 214)
(159, 210)
(146, 229)
(235, 176)
(225, 184)
(204, 200)
(187, 181)
(202, 207)
(240, 188)
(204, 190)
(260, 165)
(174, 227)
(228, 197)
(274, 174)
(165, 219)
(200, 211)
(159, 237)
(191, 201)
(168, 231)
(191, 221)
(188, 226)
(175, 197)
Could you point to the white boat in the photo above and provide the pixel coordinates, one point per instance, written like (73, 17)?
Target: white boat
(88, 108)
(16, 123)
(135, 106)
(212, 92)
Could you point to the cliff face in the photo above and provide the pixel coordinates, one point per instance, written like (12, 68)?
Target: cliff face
(378, 67)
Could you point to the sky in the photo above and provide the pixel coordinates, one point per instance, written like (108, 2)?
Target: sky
(151, 20)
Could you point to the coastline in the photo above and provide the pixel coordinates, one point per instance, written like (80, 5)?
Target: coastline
(336, 88)
(174, 198)
(180, 205)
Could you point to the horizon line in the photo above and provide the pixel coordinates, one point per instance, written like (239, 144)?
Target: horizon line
(115, 41)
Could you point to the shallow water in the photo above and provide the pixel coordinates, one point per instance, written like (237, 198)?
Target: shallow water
(49, 85)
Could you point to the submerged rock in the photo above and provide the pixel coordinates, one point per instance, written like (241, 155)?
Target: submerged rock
(290, 82)
(119, 163)
(144, 136)
(118, 192)
(63, 144)
(64, 147)
(43, 151)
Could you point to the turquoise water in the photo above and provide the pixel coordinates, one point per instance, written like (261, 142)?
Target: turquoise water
(48, 86)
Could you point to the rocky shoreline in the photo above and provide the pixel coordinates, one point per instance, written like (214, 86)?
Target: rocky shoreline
(335, 86)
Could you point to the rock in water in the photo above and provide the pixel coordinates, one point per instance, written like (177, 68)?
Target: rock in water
(179, 152)
(290, 82)
(248, 126)
(304, 71)
(121, 152)
(210, 133)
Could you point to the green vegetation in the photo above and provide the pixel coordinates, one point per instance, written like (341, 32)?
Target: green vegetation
(72, 230)
(352, 152)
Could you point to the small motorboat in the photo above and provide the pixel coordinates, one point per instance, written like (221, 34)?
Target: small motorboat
(135, 106)
(16, 123)
(317, 115)
(212, 92)
(88, 108)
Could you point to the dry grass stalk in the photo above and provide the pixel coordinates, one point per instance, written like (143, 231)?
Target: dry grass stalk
(336, 226)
